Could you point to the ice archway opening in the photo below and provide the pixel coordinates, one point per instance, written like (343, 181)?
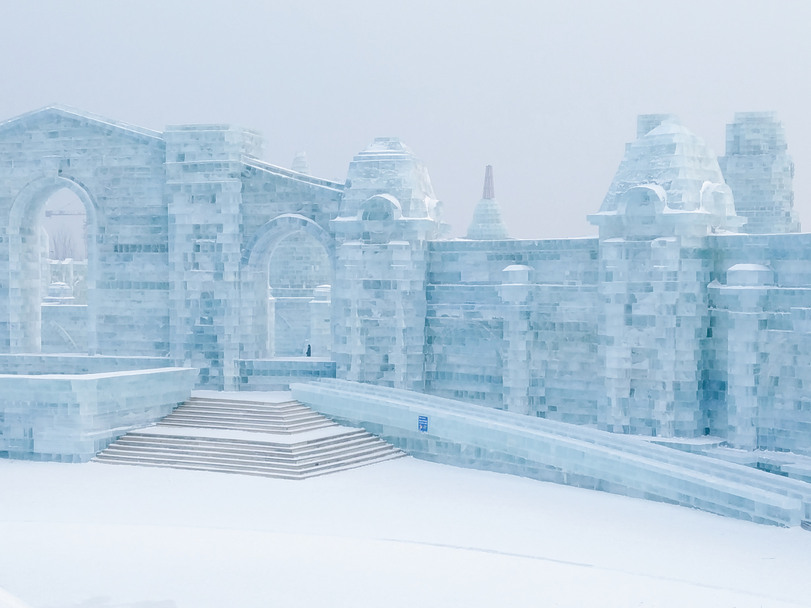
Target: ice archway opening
(28, 253)
(287, 268)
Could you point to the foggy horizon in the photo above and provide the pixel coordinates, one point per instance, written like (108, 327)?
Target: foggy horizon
(548, 95)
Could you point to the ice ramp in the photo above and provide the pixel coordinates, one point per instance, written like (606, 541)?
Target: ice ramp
(457, 433)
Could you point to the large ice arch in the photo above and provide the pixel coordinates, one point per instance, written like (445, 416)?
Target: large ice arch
(256, 339)
(25, 317)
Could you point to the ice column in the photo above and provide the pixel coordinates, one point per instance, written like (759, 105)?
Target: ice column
(516, 293)
(320, 336)
(204, 192)
(744, 300)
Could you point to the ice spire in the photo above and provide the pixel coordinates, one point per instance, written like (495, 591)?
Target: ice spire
(488, 192)
(487, 224)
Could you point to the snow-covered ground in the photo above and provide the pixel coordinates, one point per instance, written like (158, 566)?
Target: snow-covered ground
(401, 533)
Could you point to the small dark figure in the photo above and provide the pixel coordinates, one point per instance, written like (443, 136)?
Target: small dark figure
(309, 350)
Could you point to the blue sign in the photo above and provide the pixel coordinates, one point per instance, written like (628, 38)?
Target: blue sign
(422, 424)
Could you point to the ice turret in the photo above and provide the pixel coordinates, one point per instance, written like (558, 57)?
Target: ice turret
(759, 170)
(487, 224)
(667, 196)
(668, 183)
(389, 167)
(387, 216)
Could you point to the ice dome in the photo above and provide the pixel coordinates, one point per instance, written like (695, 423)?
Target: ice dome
(388, 166)
(669, 155)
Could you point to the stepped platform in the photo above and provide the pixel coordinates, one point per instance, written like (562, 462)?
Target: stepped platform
(453, 432)
(265, 434)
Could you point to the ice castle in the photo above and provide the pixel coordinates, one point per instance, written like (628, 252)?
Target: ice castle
(688, 316)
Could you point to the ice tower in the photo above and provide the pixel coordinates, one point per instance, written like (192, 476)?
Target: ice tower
(759, 170)
(387, 215)
(487, 223)
(667, 196)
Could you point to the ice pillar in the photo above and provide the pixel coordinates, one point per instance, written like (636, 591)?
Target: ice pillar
(742, 306)
(204, 196)
(320, 336)
(516, 293)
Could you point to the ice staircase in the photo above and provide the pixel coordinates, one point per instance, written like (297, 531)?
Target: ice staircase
(270, 438)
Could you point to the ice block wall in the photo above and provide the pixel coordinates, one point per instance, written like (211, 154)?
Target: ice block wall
(539, 325)
(667, 324)
(204, 198)
(117, 171)
(758, 374)
(71, 417)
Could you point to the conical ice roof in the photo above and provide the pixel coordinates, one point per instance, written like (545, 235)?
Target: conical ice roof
(487, 224)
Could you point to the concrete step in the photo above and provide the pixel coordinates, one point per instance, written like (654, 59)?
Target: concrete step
(282, 429)
(291, 405)
(179, 454)
(286, 402)
(258, 449)
(236, 456)
(186, 413)
(286, 440)
(286, 417)
(269, 410)
(231, 412)
(281, 461)
(314, 472)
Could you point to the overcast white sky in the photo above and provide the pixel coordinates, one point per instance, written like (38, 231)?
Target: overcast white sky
(547, 92)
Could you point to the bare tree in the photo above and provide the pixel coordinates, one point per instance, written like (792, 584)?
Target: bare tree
(63, 245)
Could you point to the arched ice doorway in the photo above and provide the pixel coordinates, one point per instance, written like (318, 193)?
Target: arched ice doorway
(27, 250)
(288, 269)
